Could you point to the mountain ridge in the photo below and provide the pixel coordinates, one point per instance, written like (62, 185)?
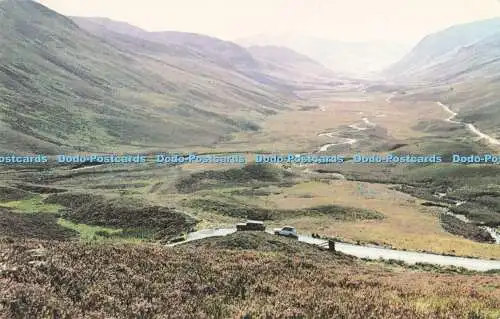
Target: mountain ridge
(64, 89)
(345, 58)
(226, 54)
(437, 45)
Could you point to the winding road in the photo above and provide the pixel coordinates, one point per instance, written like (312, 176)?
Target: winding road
(368, 252)
(469, 126)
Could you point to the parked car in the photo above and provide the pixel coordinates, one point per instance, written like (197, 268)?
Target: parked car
(251, 225)
(286, 231)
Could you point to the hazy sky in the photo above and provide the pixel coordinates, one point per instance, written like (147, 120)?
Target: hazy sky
(351, 20)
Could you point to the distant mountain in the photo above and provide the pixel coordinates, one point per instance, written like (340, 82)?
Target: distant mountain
(477, 60)
(287, 64)
(225, 54)
(435, 49)
(64, 89)
(348, 58)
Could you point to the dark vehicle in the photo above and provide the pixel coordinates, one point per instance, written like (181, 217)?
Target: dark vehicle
(251, 225)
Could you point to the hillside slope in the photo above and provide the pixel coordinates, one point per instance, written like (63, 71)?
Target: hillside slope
(63, 89)
(459, 66)
(222, 53)
(441, 46)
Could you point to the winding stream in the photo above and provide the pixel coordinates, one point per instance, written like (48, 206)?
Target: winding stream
(365, 121)
(325, 147)
(389, 98)
(356, 127)
(492, 231)
(369, 124)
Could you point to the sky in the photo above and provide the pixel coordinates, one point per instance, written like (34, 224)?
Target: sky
(346, 20)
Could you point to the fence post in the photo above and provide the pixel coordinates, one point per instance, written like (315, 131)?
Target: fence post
(331, 245)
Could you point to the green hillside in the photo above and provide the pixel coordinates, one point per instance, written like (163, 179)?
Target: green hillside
(62, 88)
(460, 67)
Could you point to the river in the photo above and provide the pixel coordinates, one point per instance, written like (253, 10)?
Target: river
(325, 147)
(366, 121)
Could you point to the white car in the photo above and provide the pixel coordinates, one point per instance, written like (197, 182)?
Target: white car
(286, 231)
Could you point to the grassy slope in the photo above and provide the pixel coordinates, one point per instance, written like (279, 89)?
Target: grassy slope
(64, 89)
(198, 55)
(463, 67)
(472, 84)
